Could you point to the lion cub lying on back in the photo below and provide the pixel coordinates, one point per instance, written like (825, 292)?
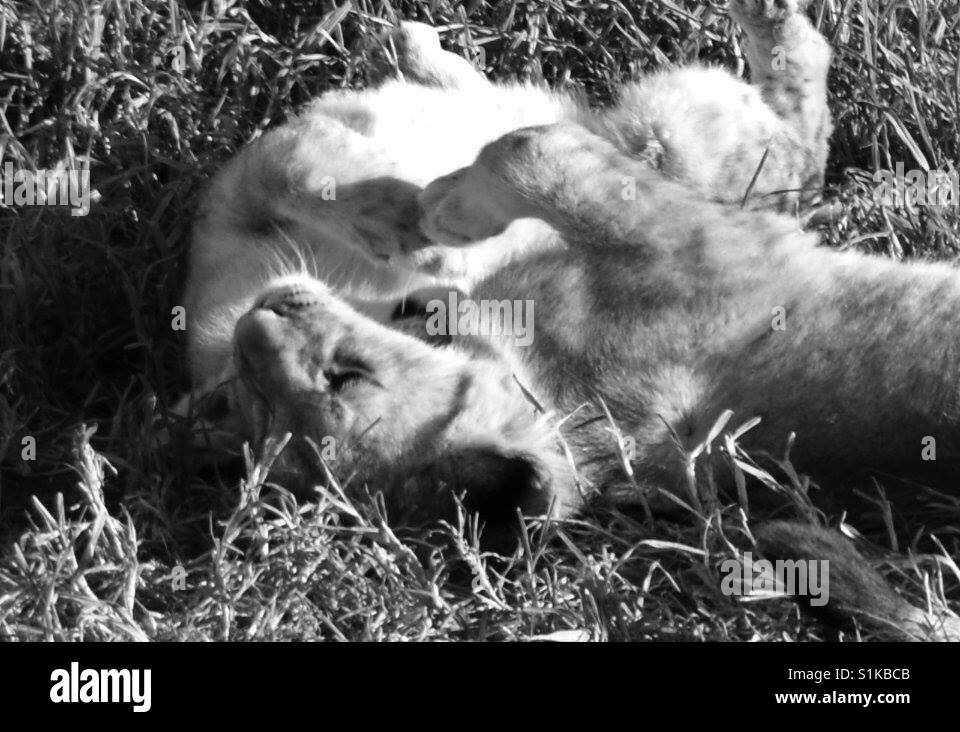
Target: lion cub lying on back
(334, 192)
(659, 310)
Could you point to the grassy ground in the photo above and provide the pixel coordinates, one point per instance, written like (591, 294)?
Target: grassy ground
(107, 534)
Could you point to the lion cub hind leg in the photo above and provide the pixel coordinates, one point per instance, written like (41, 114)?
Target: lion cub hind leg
(789, 61)
(413, 50)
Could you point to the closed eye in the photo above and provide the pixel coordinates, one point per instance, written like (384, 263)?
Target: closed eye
(339, 380)
(348, 370)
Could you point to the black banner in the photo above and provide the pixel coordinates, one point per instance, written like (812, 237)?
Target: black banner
(232, 681)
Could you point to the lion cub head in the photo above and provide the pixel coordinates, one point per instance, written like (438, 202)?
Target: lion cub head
(382, 409)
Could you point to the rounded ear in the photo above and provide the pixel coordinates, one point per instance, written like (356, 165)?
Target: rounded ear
(495, 484)
(492, 482)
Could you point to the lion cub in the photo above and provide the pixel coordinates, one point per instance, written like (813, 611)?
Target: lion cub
(334, 192)
(659, 314)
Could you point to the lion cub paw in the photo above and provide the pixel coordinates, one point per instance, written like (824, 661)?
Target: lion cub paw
(413, 40)
(762, 13)
(461, 208)
(421, 59)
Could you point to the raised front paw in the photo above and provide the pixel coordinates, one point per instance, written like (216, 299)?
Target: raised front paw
(414, 50)
(413, 40)
(761, 13)
(462, 208)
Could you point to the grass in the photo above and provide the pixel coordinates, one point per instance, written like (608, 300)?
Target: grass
(112, 533)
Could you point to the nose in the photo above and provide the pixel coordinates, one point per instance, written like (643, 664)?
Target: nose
(261, 333)
(276, 351)
(290, 338)
(273, 324)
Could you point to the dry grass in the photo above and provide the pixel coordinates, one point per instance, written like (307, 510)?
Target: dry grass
(108, 534)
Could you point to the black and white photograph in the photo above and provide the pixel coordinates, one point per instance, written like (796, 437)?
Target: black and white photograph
(570, 323)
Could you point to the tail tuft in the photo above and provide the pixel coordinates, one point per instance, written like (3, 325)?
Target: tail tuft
(856, 588)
